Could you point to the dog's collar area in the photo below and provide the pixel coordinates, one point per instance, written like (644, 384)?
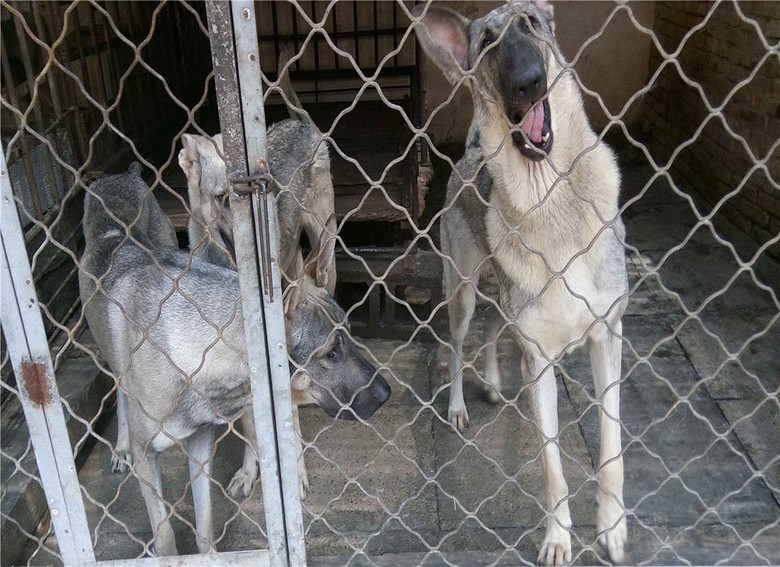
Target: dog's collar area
(532, 133)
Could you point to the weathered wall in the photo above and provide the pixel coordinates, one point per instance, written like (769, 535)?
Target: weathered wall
(614, 65)
(719, 56)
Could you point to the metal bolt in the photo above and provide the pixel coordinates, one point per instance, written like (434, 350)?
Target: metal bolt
(246, 14)
(279, 346)
(287, 424)
(252, 57)
(2, 173)
(55, 512)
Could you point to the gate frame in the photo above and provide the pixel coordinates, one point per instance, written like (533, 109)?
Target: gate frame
(233, 38)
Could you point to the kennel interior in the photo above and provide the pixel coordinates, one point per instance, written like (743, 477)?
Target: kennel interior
(686, 92)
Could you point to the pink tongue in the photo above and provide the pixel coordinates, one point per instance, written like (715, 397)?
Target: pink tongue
(533, 123)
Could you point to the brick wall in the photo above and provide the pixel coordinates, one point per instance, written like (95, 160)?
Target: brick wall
(719, 56)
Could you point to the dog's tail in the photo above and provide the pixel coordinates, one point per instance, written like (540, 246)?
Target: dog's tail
(286, 53)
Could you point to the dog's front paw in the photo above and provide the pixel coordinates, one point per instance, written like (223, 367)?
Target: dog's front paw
(121, 461)
(613, 531)
(241, 484)
(556, 547)
(459, 417)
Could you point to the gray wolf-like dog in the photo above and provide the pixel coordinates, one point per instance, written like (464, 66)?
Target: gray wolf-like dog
(171, 328)
(535, 198)
(300, 164)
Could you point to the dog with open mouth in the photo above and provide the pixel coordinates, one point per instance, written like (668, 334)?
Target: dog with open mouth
(535, 200)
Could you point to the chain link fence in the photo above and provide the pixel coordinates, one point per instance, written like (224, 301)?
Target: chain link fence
(684, 93)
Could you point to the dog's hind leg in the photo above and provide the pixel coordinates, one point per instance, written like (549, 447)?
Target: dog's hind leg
(461, 302)
(200, 453)
(556, 547)
(241, 484)
(121, 458)
(605, 354)
(490, 338)
(147, 469)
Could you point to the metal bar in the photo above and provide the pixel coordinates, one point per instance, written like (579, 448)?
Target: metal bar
(294, 16)
(335, 33)
(24, 49)
(395, 34)
(26, 155)
(81, 149)
(226, 84)
(276, 37)
(376, 35)
(39, 396)
(96, 51)
(249, 77)
(253, 558)
(316, 53)
(356, 32)
(40, 28)
(112, 69)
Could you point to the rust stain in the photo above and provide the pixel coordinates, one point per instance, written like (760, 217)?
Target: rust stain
(36, 383)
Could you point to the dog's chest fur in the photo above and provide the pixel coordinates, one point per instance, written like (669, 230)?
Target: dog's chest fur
(544, 235)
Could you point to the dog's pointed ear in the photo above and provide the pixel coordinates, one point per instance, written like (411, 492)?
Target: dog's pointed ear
(444, 36)
(293, 299)
(545, 7)
(189, 156)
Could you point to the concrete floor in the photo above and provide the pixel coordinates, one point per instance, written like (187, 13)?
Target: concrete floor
(701, 449)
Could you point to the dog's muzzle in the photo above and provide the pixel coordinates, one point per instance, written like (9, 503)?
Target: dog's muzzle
(534, 137)
(367, 401)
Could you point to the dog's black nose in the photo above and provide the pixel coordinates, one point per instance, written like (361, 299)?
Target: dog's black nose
(529, 82)
(380, 389)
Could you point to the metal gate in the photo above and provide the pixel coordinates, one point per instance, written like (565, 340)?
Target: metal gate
(700, 380)
(234, 46)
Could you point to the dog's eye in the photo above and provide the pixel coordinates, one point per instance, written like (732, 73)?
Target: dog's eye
(487, 39)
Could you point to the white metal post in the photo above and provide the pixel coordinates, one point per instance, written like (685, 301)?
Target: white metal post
(250, 84)
(28, 350)
(236, 70)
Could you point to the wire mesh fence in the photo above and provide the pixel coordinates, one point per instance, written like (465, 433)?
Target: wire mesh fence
(448, 290)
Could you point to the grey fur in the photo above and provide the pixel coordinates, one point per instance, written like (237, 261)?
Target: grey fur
(300, 164)
(539, 206)
(171, 328)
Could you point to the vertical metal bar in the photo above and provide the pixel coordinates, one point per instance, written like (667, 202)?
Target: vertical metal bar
(275, 21)
(249, 77)
(112, 69)
(376, 36)
(356, 29)
(336, 33)
(53, 90)
(96, 52)
(227, 89)
(38, 393)
(316, 54)
(26, 155)
(24, 49)
(81, 149)
(294, 16)
(395, 33)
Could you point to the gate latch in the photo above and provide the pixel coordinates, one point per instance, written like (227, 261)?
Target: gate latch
(259, 185)
(260, 182)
